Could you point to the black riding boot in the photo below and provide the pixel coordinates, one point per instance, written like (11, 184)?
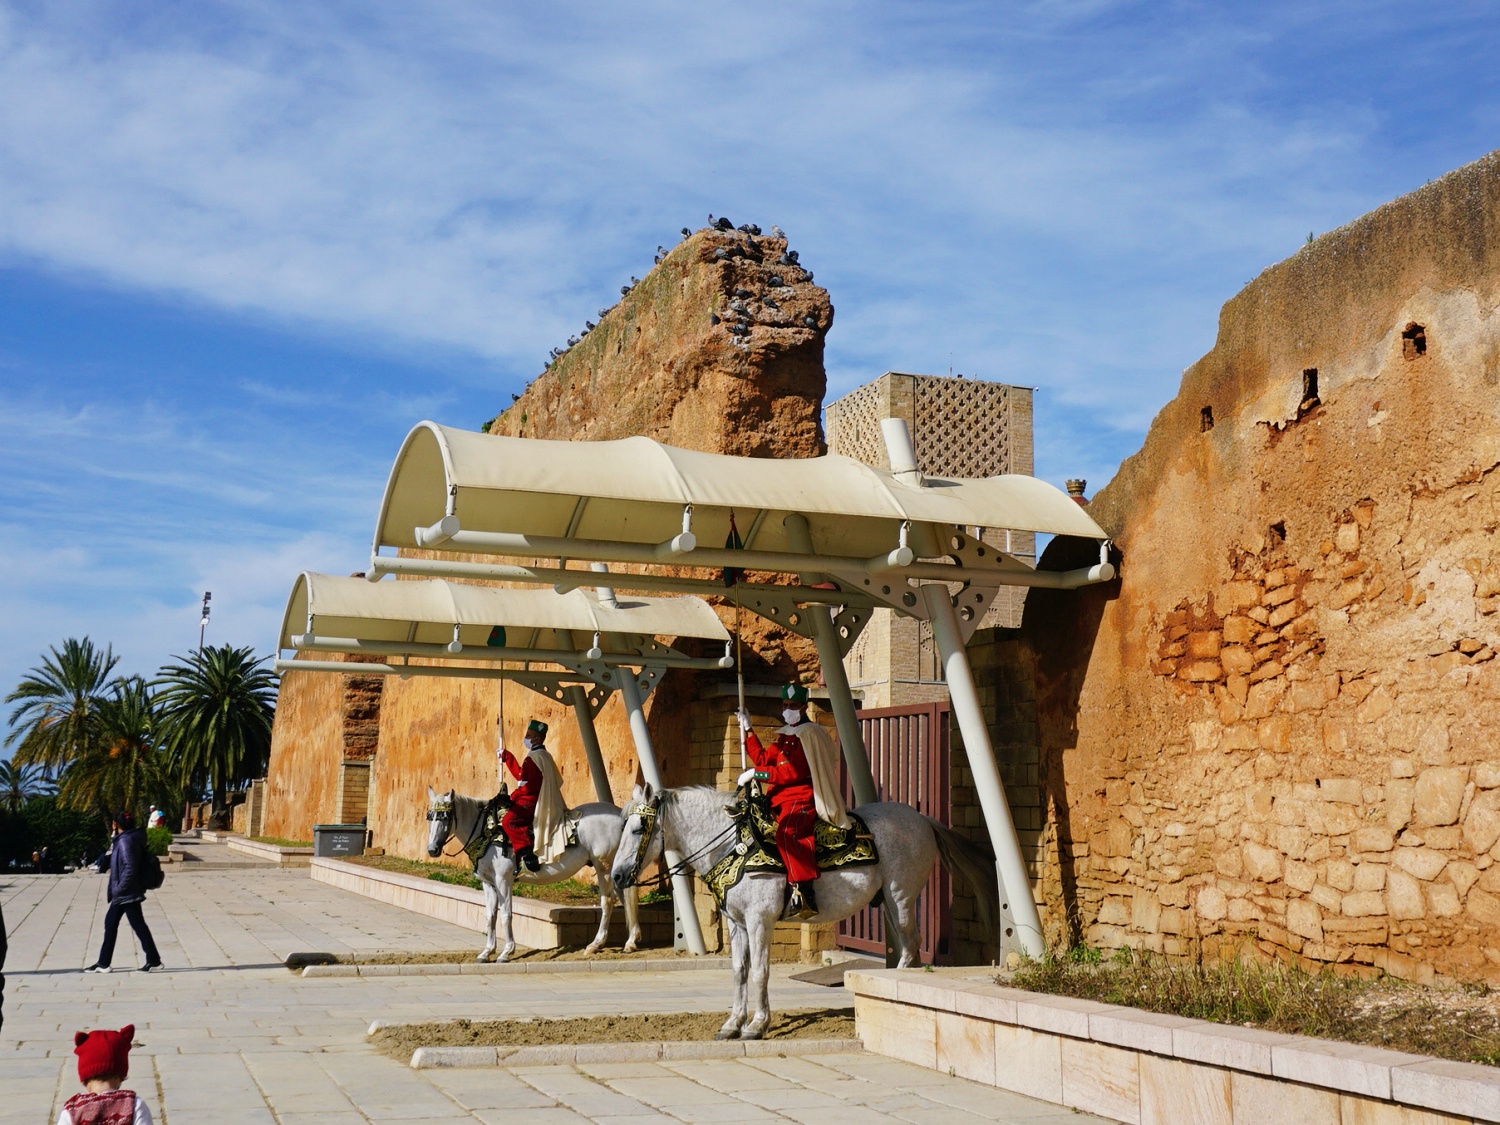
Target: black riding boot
(527, 858)
(805, 900)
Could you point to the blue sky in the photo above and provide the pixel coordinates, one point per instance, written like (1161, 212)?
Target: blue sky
(245, 245)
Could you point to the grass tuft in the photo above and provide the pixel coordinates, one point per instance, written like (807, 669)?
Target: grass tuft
(1461, 1023)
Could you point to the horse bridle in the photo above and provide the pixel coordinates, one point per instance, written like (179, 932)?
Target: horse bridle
(444, 812)
(650, 813)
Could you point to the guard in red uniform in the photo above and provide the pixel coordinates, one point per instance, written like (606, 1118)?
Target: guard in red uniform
(528, 774)
(800, 772)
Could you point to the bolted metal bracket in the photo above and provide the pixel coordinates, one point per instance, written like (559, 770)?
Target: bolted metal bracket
(554, 685)
(784, 610)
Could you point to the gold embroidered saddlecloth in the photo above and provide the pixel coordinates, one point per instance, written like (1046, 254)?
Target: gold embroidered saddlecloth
(755, 846)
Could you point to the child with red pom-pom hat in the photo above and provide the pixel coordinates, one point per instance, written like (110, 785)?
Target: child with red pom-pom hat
(103, 1064)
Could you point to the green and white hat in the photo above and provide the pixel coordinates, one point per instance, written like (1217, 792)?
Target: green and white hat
(537, 727)
(794, 693)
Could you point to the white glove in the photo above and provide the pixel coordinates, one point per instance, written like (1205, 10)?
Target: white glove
(746, 777)
(744, 717)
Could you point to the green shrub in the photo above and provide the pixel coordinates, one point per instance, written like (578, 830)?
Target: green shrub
(67, 834)
(157, 840)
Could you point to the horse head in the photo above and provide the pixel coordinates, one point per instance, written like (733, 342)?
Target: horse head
(439, 820)
(640, 836)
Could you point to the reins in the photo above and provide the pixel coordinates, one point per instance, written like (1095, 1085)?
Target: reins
(683, 865)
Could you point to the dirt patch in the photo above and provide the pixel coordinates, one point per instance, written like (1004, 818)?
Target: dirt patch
(464, 956)
(401, 1040)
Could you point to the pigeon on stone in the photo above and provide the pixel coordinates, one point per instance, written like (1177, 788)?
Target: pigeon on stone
(572, 341)
(515, 398)
(588, 325)
(713, 318)
(723, 224)
(807, 275)
(777, 232)
(810, 320)
(739, 329)
(776, 281)
(738, 306)
(750, 228)
(770, 304)
(602, 313)
(721, 254)
(743, 294)
(686, 233)
(624, 290)
(789, 258)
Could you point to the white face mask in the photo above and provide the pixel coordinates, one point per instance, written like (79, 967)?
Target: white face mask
(793, 718)
(529, 743)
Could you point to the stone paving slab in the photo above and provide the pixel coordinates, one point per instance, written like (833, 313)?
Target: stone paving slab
(228, 1035)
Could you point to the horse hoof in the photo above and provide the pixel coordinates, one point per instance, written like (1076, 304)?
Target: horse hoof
(629, 947)
(727, 1033)
(591, 949)
(748, 1034)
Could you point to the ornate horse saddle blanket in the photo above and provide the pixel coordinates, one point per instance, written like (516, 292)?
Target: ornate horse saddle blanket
(490, 832)
(755, 846)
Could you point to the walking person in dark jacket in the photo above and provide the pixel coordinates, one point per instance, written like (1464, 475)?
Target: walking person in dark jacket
(127, 890)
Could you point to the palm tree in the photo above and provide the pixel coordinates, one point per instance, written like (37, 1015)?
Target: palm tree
(215, 717)
(18, 784)
(55, 722)
(123, 769)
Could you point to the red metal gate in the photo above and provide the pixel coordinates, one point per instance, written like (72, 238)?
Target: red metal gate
(908, 748)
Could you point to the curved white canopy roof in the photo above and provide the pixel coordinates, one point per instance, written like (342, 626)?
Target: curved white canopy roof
(634, 490)
(425, 612)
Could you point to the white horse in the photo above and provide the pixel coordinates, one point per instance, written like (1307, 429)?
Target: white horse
(452, 816)
(694, 822)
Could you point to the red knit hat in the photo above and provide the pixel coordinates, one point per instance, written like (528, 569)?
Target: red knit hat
(103, 1054)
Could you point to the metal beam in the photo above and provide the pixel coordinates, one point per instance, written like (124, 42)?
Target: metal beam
(580, 700)
(314, 643)
(682, 883)
(1025, 935)
(831, 658)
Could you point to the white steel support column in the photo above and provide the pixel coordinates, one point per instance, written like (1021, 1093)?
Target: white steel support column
(840, 699)
(1015, 884)
(682, 886)
(579, 697)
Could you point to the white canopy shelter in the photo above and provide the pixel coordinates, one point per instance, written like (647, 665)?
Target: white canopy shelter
(855, 536)
(601, 642)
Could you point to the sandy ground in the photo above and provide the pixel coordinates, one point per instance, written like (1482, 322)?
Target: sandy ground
(401, 1040)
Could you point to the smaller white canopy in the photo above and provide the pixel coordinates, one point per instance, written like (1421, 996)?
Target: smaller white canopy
(633, 491)
(425, 612)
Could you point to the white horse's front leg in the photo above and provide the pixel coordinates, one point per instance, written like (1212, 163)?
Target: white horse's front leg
(632, 901)
(491, 900)
(606, 904)
(739, 954)
(506, 877)
(758, 931)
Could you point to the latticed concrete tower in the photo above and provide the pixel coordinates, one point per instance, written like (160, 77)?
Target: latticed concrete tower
(960, 428)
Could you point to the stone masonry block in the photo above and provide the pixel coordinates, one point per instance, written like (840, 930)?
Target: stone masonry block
(1174, 1092)
(1100, 1079)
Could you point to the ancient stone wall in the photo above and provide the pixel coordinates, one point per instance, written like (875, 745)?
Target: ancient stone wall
(308, 749)
(1276, 732)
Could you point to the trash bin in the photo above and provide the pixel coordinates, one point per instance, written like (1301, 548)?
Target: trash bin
(338, 839)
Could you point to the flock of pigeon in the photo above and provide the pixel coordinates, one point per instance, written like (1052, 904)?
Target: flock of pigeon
(741, 316)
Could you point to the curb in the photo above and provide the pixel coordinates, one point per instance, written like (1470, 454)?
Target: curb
(467, 968)
(444, 1058)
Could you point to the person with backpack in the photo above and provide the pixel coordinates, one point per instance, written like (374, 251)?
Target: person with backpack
(133, 870)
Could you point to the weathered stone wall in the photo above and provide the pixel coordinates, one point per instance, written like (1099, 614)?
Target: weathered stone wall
(1277, 731)
(322, 721)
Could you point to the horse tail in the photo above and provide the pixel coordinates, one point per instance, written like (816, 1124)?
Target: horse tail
(975, 866)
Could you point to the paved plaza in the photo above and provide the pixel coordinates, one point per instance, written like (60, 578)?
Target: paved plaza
(228, 1036)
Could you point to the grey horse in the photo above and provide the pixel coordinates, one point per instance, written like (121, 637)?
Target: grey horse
(453, 816)
(694, 822)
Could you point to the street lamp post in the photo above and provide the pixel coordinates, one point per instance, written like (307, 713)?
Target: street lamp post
(203, 621)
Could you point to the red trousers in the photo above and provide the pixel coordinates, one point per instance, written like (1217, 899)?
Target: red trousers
(794, 836)
(517, 820)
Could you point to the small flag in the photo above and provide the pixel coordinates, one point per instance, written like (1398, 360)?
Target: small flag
(496, 639)
(733, 575)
